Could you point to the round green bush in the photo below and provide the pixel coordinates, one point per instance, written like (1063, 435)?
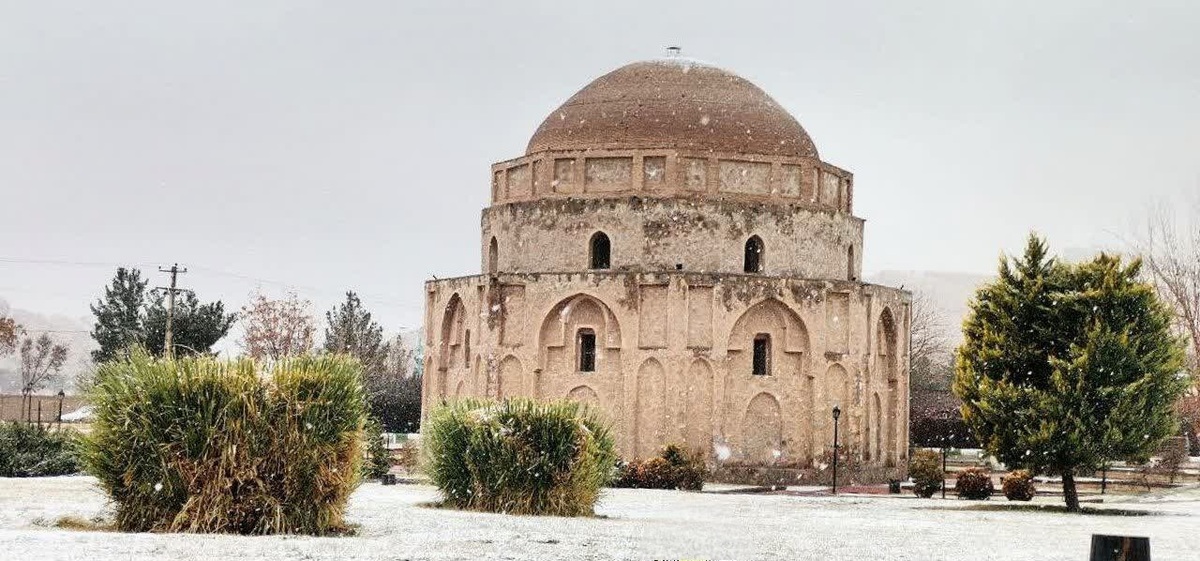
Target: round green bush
(925, 469)
(1018, 486)
(974, 484)
(518, 456)
(206, 445)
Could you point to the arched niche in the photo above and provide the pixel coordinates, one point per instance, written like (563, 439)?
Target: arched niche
(698, 406)
(887, 362)
(835, 391)
(510, 379)
(762, 429)
(782, 327)
(584, 394)
(649, 430)
(560, 335)
(493, 257)
(453, 334)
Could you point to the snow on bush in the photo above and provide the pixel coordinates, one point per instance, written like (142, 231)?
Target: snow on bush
(205, 445)
(674, 468)
(1018, 486)
(925, 470)
(974, 483)
(518, 456)
(35, 451)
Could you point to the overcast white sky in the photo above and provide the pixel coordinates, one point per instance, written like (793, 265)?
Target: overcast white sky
(337, 145)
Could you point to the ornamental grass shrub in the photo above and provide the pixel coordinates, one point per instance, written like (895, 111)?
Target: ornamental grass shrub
(674, 468)
(925, 469)
(1018, 485)
(35, 451)
(518, 456)
(974, 484)
(207, 445)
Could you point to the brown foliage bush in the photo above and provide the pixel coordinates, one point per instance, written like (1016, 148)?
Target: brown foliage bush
(974, 484)
(674, 468)
(1018, 486)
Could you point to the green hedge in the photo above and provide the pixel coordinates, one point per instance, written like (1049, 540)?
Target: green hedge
(518, 456)
(204, 445)
(33, 451)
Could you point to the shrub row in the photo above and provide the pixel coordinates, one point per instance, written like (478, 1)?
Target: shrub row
(34, 451)
(204, 445)
(518, 456)
(674, 468)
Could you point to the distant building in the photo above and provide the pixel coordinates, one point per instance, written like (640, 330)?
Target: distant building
(672, 249)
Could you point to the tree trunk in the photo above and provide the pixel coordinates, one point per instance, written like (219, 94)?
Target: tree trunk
(1069, 493)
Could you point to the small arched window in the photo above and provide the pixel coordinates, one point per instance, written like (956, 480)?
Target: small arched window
(493, 256)
(585, 342)
(601, 251)
(850, 264)
(754, 255)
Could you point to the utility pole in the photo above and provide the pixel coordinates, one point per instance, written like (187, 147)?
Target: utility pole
(175, 271)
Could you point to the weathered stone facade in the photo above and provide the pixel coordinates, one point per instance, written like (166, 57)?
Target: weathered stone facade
(697, 288)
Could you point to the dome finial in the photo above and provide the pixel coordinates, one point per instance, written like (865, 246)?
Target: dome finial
(674, 51)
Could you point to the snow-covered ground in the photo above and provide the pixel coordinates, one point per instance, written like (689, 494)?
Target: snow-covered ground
(634, 524)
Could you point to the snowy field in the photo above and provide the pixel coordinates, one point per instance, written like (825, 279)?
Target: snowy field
(635, 524)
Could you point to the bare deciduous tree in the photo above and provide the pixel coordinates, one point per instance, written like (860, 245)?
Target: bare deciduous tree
(274, 329)
(1171, 252)
(41, 362)
(928, 329)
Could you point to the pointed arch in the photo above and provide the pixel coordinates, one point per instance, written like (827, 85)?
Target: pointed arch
(560, 335)
(836, 391)
(773, 328)
(584, 394)
(649, 429)
(754, 256)
(762, 429)
(453, 328)
(493, 260)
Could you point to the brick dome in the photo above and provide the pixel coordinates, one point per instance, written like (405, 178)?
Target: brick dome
(673, 103)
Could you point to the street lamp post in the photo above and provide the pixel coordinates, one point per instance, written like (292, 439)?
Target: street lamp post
(61, 394)
(837, 412)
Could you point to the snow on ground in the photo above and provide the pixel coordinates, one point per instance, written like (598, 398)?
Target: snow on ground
(634, 524)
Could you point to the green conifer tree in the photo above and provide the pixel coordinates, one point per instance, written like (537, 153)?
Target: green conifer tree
(195, 327)
(351, 330)
(118, 315)
(1065, 367)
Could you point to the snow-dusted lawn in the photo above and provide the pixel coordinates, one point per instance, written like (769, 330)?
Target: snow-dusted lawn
(637, 524)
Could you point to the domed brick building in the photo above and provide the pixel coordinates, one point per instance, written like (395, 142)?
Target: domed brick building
(672, 249)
